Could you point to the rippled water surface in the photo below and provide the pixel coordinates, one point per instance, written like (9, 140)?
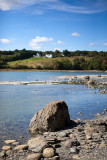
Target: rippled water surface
(18, 103)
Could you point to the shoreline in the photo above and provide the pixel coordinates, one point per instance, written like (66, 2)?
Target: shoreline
(35, 70)
(84, 141)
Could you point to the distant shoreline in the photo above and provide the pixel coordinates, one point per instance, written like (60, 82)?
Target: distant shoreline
(35, 70)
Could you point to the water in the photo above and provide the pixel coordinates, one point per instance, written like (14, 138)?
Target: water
(18, 103)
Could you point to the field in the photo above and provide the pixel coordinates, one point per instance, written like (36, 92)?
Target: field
(43, 63)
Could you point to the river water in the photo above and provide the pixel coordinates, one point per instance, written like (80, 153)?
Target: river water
(18, 103)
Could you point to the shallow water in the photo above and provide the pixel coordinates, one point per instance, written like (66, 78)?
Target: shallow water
(18, 103)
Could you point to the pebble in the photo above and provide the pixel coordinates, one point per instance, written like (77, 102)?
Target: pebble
(9, 141)
(48, 152)
(74, 150)
(34, 156)
(21, 147)
(5, 148)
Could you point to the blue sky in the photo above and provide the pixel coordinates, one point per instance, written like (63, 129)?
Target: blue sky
(53, 24)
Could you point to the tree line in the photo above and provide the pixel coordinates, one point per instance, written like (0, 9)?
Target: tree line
(97, 60)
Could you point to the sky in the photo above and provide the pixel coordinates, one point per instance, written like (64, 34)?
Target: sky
(49, 25)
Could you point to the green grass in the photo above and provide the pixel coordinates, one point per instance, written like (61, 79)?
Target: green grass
(36, 62)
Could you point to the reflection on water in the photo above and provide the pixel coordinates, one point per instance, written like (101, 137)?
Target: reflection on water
(19, 103)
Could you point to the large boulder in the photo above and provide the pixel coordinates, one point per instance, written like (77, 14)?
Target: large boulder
(52, 117)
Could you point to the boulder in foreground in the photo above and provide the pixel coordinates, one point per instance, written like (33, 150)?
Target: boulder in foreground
(54, 116)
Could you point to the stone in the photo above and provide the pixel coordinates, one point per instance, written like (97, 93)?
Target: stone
(8, 152)
(5, 148)
(75, 156)
(54, 116)
(86, 77)
(34, 156)
(62, 134)
(102, 145)
(2, 154)
(71, 142)
(86, 147)
(9, 141)
(90, 82)
(98, 115)
(51, 140)
(37, 144)
(21, 147)
(96, 136)
(74, 150)
(71, 136)
(15, 143)
(48, 152)
(89, 131)
(53, 158)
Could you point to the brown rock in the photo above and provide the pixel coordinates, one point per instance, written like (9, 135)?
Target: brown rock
(21, 147)
(75, 156)
(52, 117)
(48, 152)
(89, 131)
(9, 141)
(34, 156)
(5, 148)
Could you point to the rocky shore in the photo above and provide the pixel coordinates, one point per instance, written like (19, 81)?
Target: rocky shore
(92, 81)
(70, 141)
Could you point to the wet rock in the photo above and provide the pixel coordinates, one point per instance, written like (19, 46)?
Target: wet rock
(34, 156)
(37, 144)
(86, 78)
(79, 113)
(9, 141)
(52, 117)
(48, 152)
(5, 148)
(98, 115)
(21, 147)
(90, 82)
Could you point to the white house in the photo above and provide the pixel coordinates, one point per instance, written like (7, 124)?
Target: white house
(48, 55)
(37, 55)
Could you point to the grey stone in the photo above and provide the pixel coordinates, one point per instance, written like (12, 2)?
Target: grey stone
(37, 144)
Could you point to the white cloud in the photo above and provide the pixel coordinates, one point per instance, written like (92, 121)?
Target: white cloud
(91, 44)
(60, 42)
(38, 42)
(5, 41)
(59, 49)
(75, 34)
(85, 6)
(14, 4)
(104, 44)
